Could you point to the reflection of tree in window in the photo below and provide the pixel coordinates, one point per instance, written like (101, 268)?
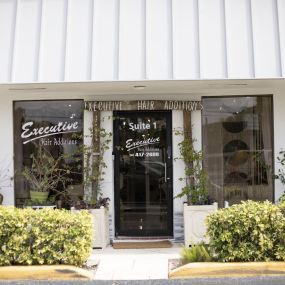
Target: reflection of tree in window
(237, 145)
(45, 114)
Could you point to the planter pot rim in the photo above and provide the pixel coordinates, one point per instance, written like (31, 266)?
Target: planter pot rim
(214, 205)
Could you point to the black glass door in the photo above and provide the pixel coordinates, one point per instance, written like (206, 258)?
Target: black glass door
(143, 174)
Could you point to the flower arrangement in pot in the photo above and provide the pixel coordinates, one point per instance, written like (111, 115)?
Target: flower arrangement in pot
(198, 203)
(93, 172)
(196, 181)
(44, 175)
(93, 168)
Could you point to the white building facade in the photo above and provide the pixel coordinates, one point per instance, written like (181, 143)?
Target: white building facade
(147, 60)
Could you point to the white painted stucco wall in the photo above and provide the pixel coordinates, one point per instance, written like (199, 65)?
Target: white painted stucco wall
(6, 151)
(6, 142)
(279, 136)
(123, 40)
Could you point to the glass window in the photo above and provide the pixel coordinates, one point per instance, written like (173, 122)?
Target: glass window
(237, 146)
(57, 127)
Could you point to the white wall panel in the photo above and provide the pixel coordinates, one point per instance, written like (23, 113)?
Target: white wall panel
(178, 164)
(52, 45)
(107, 185)
(26, 49)
(212, 45)
(158, 41)
(104, 36)
(281, 18)
(196, 121)
(7, 20)
(106, 40)
(6, 154)
(186, 63)
(279, 136)
(266, 49)
(78, 40)
(239, 39)
(132, 39)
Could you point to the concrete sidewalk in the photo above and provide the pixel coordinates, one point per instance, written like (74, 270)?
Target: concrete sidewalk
(133, 264)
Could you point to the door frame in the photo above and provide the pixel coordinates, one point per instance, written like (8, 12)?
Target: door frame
(169, 232)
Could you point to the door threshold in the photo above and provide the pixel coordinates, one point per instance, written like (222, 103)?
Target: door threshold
(142, 239)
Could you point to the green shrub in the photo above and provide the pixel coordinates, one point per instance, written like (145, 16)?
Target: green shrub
(281, 206)
(44, 236)
(250, 231)
(195, 253)
(14, 236)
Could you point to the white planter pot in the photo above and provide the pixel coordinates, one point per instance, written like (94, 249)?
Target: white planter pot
(100, 227)
(194, 223)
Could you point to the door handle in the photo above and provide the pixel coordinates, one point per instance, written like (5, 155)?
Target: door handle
(165, 172)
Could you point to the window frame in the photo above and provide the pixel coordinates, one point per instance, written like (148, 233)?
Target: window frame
(270, 96)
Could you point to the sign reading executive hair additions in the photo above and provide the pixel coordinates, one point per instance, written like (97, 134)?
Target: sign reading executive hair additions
(142, 105)
(31, 133)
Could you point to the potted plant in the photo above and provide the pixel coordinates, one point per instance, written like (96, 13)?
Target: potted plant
(100, 218)
(93, 170)
(44, 175)
(198, 203)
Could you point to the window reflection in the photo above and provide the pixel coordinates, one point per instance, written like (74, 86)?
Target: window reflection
(237, 145)
(55, 125)
(143, 159)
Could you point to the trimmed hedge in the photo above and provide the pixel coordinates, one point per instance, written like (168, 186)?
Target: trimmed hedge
(45, 236)
(250, 231)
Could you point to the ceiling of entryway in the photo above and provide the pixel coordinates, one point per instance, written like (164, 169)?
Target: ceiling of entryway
(134, 89)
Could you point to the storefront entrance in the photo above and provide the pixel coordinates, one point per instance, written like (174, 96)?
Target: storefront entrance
(143, 173)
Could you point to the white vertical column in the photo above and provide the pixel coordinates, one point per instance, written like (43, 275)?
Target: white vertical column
(178, 164)
(108, 178)
(178, 172)
(279, 137)
(6, 156)
(196, 120)
(87, 140)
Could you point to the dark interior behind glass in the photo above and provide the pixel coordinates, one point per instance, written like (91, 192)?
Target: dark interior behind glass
(237, 145)
(143, 172)
(31, 115)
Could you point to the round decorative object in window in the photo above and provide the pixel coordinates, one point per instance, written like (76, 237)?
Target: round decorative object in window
(234, 127)
(236, 152)
(236, 178)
